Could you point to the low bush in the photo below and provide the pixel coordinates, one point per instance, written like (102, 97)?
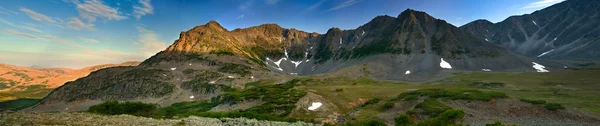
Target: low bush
(373, 123)
(403, 120)
(131, 108)
(432, 107)
(233, 68)
(388, 105)
(536, 102)
(448, 118)
(487, 85)
(553, 106)
(454, 94)
(372, 101)
(339, 90)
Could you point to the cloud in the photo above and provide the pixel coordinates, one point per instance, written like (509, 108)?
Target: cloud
(149, 41)
(36, 16)
(240, 17)
(271, 1)
(314, 6)
(6, 22)
(32, 29)
(18, 33)
(245, 5)
(541, 4)
(93, 9)
(77, 59)
(63, 41)
(89, 40)
(343, 5)
(145, 9)
(76, 24)
(7, 12)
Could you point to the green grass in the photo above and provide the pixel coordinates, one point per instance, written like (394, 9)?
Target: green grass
(403, 120)
(487, 85)
(553, 106)
(453, 94)
(18, 104)
(448, 118)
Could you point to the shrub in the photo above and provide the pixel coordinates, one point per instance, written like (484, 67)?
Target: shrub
(536, 102)
(449, 117)
(455, 94)
(403, 120)
(432, 107)
(553, 106)
(189, 71)
(487, 85)
(131, 108)
(339, 90)
(233, 68)
(221, 52)
(372, 101)
(388, 105)
(373, 123)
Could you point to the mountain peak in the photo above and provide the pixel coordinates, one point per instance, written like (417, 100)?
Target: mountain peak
(212, 24)
(411, 14)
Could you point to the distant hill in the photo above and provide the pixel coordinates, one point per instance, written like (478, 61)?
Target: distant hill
(35, 82)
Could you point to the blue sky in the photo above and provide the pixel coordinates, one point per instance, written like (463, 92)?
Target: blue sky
(76, 33)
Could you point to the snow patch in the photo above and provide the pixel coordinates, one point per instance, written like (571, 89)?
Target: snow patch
(534, 22)
(296, 63)
(293, 73)
(340, 40)
(212, 82)
(445, 64)
(174, 68)
(554, 39)
(539, 67)
(286, 54)
(545, 53)
(407, 72)
(251, 77)
(363, 33)
(230, 77)
(190, 64)
(307, 60)
(486, 40)
(192, 97)
(486, 70)
(315, 106)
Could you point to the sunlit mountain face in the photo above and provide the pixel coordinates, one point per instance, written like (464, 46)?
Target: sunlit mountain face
(317, 62)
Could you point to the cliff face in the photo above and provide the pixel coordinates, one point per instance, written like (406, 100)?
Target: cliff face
(565, 31)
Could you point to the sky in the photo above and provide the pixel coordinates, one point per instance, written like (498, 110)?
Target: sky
(81, 33)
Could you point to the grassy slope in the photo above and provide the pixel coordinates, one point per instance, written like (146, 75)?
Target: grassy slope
(577, 88)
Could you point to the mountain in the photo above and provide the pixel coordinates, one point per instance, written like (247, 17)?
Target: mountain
(209, 60)
(35, 82)
(565, 31)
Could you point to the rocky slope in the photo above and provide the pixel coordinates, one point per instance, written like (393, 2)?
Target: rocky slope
(564, 31)
(15, 79)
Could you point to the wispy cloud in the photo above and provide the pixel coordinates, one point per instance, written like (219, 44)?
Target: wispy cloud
(146, 8)
(314, 6)
(541, 4)
(6, 22)
(32, 29)
(18, 33)
(63, 41)
(89, 40)
(76, 24)
(271, 1)
(36, 16)
(93, 9)
(245, 5)
(240, 17)
(7, 12)
(149, 41)
(343, 5)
